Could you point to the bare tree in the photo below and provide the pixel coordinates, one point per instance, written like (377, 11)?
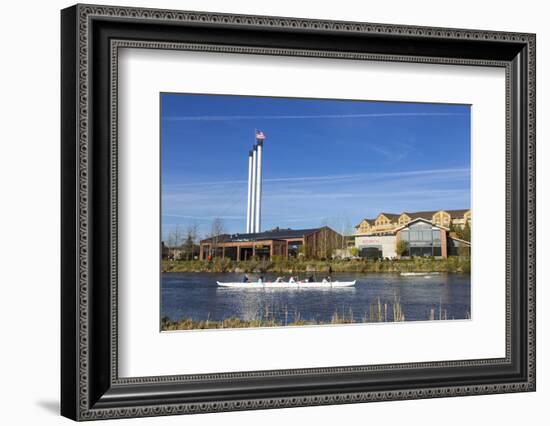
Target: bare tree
(174, 240)
(343, 226)
(191, 239)
(330, 241)
(217, 229)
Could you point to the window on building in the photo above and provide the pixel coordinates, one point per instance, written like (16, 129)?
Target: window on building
(294, 248)
(371, 252)
(420, 251)
(262, 252)
(231, 253)
(422, 240)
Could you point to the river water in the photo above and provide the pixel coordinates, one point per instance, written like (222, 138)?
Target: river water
(197, 296)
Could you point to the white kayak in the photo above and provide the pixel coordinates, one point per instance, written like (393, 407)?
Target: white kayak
(283, 284)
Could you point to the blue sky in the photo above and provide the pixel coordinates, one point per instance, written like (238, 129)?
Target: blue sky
(327, 162)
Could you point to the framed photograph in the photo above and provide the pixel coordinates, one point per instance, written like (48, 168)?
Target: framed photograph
(263, 212)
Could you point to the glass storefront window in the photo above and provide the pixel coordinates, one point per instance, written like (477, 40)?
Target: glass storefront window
(421, 251)
(422, 239)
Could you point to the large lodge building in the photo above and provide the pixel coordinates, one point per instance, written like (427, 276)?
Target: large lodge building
(387, 222)
(427, 233)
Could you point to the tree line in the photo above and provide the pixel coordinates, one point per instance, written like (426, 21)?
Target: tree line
(184, 244)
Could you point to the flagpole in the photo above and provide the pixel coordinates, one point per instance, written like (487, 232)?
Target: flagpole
(249, 203)
(257, 221)
(253, 186)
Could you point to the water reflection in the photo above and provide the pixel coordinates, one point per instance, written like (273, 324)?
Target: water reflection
(197, 296)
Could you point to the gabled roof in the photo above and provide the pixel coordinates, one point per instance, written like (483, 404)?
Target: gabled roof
(222, 238)
(274, 234)
(457, 213)
(420, 219)
(428, 214)
(468, 243)
(369, 221)
(390, 216)
(425, 214)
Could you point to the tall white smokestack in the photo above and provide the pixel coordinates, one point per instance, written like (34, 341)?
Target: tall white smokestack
(250, 188)
(253, 189)
(258, 204)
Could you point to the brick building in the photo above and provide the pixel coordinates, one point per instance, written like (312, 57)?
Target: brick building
(313, 243)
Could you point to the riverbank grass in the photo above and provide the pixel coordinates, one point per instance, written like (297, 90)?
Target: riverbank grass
(377, 312)
(454, 264)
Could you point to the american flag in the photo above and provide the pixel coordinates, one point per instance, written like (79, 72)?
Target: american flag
(260, 135)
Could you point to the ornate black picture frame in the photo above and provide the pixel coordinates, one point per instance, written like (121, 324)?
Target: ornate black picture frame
(91, 36)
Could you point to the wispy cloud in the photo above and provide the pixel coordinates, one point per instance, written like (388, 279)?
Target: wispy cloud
(203, 217)
(370, 196)
(306, 117)
(308, 201)
(339, 177)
